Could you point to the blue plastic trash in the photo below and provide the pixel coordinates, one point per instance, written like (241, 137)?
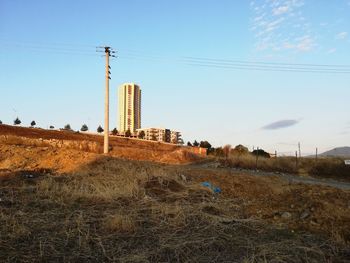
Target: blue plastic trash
(206, 184)
(215, 189)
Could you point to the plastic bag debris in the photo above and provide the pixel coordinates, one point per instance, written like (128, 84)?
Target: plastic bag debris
(212, 187)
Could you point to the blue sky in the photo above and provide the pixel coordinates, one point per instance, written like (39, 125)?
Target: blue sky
(51, 73)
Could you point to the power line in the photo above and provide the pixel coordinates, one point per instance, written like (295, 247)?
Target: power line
(230, 61)
(76, 49)
(266, 63)
(49, 48)
(252, 67)
(240, 64)
(46, 43)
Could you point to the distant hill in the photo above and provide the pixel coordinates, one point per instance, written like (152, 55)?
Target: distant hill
(339, 152)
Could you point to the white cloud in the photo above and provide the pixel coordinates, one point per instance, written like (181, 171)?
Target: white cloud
(277, 24)
(342, 35)
(332, 50)
(305, 43)
(302, 44)
(280, 10)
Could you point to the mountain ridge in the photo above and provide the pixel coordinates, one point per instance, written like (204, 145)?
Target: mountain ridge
(338, 152)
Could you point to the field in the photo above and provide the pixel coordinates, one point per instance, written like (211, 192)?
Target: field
(67, 204)
(324, 167)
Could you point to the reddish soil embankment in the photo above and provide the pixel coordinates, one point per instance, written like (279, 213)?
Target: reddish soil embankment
(128, 148)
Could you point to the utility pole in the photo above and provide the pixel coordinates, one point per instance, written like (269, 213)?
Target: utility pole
(257, 157)
(299, 149)
(106, 130)
(107, 51)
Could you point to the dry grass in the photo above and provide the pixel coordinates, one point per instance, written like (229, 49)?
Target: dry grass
(121, 147)
(109, 210)
(15, 140)
(323, 167)
(120, 223)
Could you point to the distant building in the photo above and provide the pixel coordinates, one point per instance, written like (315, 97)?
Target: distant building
(129, 98)
(161, 135)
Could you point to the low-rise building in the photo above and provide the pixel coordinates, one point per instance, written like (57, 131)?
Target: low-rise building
(160, 135)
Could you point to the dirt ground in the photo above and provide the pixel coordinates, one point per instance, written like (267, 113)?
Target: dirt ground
(65, 205)
(121, 147)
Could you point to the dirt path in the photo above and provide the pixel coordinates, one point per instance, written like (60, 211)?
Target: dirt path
(290, 178)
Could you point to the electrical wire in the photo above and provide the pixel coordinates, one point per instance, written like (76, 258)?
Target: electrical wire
(90, 50)
(238, 66)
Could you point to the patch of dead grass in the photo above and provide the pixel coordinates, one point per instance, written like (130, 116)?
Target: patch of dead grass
(120, 223)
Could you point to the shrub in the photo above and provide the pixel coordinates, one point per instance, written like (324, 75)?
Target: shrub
(219, 152)
(52, 127)
(226, 150)
(331, 168)
(67, 127)
(33, 123)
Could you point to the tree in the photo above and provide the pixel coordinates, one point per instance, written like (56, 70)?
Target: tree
(115, 131)
(52, 127)
(189, 144)
(142, 135)
(84, 128)
(17, 121)
(128, 133)
(67, 127)
(33, 123)
(240, 149)
(195, 143)
(261, 153)
(0, 122)
(205, 144)
(100, 129)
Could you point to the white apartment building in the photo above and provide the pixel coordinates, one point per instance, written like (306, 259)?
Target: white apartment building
(161, 135)
(129, 98)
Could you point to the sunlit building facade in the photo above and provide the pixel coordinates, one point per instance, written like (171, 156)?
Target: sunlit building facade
(161, 135)
(129, 105)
